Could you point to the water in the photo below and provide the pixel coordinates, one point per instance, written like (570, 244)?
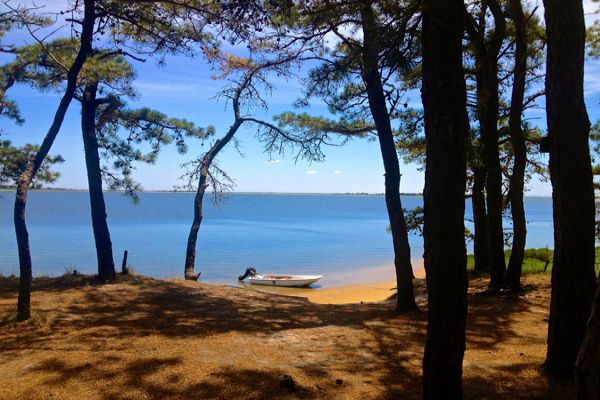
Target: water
(303, 234)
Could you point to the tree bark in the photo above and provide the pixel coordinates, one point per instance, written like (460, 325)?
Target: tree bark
(480, 242)
(517, 138)
(573, 275)
(587, 367)
(124, 269)
(22, 235)
(190, 254)
(207, 159)
(446, 130)
(493, 185)
(104, 253)
(486, 56)
(377, 104)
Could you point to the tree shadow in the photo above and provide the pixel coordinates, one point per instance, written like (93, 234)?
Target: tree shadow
(183, 309)
(372, 352)
(138, 380)
(493, 323)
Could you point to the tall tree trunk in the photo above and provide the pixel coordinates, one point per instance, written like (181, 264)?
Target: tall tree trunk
(488, 110)
(587, 366)
(486, 55)
(25, 269)
(377, 104)
(204, 169)
(104, 253)
(517, 137)
(573, 276)
(446, 132)
(480, 242)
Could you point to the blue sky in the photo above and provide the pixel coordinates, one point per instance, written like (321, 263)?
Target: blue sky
(183, 88)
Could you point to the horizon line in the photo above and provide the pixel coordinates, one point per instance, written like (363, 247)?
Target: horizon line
(234, 192)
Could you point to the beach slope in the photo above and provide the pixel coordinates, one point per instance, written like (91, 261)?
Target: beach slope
(142, 338)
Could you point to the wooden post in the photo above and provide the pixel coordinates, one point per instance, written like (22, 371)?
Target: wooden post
(124, 270)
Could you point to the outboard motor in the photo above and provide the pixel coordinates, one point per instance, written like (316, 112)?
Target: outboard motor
(250, 271)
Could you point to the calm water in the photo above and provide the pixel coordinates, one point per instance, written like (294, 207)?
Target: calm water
(325, 234)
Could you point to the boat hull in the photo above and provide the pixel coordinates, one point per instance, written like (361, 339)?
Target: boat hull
(285, 280)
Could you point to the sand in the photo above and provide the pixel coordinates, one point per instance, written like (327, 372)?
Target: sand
(142, 338)
(344, 294)
(379, 285)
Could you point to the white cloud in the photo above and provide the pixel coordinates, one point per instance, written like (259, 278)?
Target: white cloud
(272, 161)
(312, 172)
(337, 172)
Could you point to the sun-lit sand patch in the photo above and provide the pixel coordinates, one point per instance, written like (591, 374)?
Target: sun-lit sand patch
(365, 286)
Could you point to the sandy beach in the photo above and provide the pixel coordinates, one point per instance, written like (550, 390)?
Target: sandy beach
(377, 285)
(143, 338)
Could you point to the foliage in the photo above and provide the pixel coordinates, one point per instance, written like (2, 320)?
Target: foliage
(414, 221)
(330, 35)
(248, 83)
(311, 132)
(593, 43)
(8, 108)
(13, 161)
(595, 153)
(410, 138)
(44, 66)
(482, 20)
(157, 28)
(13, 17)
(593, 36)
(122, 132)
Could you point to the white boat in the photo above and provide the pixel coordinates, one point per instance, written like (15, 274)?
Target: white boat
(284, 280)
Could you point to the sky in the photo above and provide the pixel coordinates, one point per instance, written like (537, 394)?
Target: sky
(183, 88)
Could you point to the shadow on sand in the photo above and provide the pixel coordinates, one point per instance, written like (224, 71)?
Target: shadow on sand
(139, 338)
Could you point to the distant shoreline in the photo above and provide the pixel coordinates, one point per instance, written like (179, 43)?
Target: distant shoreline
(66, 190)
(228, 193)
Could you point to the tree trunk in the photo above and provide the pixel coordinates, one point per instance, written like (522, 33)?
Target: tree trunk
(446, 130)
(25, 268)
(494, 205)
(573, 276)
(104, 253)
(480, 242)
(517, 137)
(207, 159)
(124, 269)
(25, 273)
(190, 255)
(486, 55)
(587, 366)
(377, 104)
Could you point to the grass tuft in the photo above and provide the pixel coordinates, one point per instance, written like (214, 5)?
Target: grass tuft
(38, 318)
(536, 261)
(131, 270)
(69, 270)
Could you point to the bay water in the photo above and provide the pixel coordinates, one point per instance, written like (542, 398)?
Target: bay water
(340, 236)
